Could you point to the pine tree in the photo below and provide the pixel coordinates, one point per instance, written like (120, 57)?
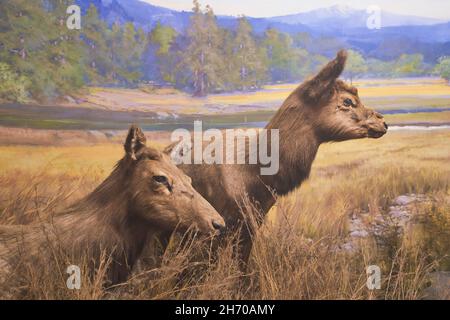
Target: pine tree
(38, 46)
(64, 50)
(249, 59)
(443, 68)
(282, 59)
(161, 40)
(98, 58)
(132, 47)
(203, 56)
(22, 40)
(355, 65)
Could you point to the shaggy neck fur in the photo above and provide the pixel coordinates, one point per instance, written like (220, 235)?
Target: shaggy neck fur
(118, 230)
(298, 146)
(101, 224)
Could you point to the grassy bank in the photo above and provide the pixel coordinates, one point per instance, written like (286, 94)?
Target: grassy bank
(295, 255)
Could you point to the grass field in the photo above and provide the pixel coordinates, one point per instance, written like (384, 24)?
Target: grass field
(403, 102)
(298, 253)
(295, 255)
(270, 95)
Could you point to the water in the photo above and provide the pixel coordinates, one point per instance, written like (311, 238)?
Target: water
(420, 127)
(54, 117)
(413, 110)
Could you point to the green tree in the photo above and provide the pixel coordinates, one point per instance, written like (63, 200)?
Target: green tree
(162, 37)
(132, 46)
(249, 60)
(161, 40)
(282, 59)
(380, 68)
(37, 46)
(443, 68)
(12, 86)
(203, 56)
(98, 58)
(409, 65)
(64, 50)
(355, 66)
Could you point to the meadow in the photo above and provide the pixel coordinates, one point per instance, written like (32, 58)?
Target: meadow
(402, 101)
(298, 252)
(308, 247)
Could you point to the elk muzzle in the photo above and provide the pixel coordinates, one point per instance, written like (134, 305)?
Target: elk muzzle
(376, 126)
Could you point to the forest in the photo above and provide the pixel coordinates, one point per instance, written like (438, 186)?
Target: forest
(41, 59)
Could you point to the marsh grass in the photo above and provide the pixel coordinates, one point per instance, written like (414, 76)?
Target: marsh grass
(297, 252)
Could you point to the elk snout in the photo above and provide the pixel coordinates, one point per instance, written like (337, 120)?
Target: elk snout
(211, 220)
(218, 225)
(377, 127)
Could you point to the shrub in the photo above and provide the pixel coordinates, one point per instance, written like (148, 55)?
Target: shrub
(12, 85)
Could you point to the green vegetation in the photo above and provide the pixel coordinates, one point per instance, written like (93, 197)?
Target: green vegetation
(443, 68)
(298, 253)
(39, 49)
(12, 86)
(203, 56)
(406, 65)
(42, 59)
(248, 66)
(355, 65)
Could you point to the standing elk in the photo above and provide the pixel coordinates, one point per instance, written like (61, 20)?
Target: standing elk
(322, 109)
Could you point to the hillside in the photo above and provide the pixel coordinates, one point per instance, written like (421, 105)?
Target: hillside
(344, 25)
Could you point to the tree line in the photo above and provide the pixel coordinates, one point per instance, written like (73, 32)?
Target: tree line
(40, 58)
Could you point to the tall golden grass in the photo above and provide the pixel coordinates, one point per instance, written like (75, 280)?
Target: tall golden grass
(297, 251)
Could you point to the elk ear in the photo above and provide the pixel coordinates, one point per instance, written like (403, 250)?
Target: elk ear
(135, 141)
(170, 148)
(320, 86)
(179, 151)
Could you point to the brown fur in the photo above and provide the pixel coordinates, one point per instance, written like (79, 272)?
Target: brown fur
(120, 216)
(314, 113)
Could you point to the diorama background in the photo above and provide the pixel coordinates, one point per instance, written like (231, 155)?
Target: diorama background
(68, 96)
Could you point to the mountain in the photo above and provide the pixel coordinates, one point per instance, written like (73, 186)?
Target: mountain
(146, 15)
(342, 17)
(142, 14)
(334, 20)
(330, 28)
(432, 41)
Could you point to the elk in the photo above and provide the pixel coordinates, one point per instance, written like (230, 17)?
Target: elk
(145, 196)
(320, 110)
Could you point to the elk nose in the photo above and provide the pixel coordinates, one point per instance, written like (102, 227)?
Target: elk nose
(386, 126)
(378, 115)
(218, 226)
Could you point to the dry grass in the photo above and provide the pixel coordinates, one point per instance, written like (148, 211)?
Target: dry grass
(169, 100)
(296, 253)
(429, 117)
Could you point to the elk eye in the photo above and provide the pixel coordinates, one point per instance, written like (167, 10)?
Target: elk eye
(161, 179)
(348, 102)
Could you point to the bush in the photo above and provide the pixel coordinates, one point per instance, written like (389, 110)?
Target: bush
(12, 85)
(443, 68)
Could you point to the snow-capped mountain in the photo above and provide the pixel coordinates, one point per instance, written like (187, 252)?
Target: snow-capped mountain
(345, 17)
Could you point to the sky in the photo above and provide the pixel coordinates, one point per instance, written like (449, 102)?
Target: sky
(268, 8)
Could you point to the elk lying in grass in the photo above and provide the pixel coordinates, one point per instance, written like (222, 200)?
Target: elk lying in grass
(322, 109)
(144, 196)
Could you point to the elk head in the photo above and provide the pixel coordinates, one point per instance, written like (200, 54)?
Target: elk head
(334, 107)
(162, 194)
